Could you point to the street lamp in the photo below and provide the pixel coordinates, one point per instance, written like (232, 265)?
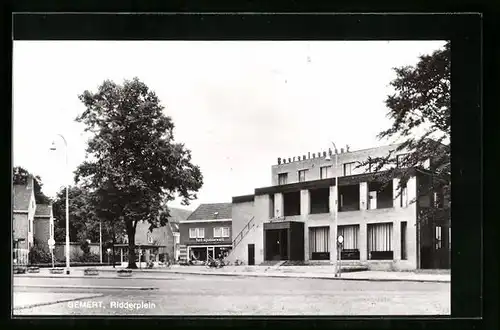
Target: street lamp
(336, 176)
(53, 148)
(109, 252)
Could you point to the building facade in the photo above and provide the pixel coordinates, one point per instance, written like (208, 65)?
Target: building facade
(158, 244)
(318, 197)
(206, 233)
(32, 222)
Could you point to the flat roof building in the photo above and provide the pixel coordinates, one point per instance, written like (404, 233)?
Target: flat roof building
(314, 199)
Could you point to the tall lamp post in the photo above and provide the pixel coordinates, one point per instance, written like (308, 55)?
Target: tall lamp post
(53, 148)
(336, 176)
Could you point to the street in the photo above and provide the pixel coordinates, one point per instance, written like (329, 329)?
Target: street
(178, 294)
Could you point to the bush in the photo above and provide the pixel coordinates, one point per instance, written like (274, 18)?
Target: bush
(89, 257)
(38, 255)
(85, 246)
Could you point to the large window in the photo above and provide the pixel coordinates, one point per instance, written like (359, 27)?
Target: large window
(350, 249)
(350, 235)
(319, 246)
(282, 178)
(302, 175)
(380, 241)
(221, 232)
(196, 232)
(323, 172)
(348, 168)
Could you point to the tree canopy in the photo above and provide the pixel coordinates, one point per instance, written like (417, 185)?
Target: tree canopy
(20, 176)
(133, 165)
(420, 111)
(84, 222)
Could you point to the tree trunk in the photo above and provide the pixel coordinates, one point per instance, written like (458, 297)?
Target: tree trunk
(131, 245)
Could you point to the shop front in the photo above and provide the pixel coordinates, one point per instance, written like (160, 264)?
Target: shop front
(208, 248)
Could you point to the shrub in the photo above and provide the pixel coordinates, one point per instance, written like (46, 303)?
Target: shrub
(39, 255)
(84, 245)
(89, 257)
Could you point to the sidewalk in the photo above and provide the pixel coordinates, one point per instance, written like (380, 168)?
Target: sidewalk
(316, 272)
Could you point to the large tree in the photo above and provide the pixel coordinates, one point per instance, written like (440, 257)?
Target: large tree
(420, 110)
(20, 176)
(133, 164)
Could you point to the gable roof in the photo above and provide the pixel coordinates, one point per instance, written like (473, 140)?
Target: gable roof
(177, 215)
(43, 210)
(207, 212)
(22, 196)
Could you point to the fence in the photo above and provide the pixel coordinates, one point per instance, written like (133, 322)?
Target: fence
(20, 257)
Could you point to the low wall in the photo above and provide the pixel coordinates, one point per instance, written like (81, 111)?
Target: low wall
(75, 250)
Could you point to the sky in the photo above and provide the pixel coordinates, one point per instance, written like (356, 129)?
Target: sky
(237, 105)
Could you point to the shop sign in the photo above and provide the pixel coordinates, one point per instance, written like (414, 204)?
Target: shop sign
(207, 240)
(277, 219)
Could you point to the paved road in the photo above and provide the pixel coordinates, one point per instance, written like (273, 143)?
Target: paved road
(225, 295)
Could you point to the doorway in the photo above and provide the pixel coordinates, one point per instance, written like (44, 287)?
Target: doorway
(251, 254)
(277, 244)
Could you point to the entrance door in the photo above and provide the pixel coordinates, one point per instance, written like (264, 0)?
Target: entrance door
(210, 253)
(251, 254)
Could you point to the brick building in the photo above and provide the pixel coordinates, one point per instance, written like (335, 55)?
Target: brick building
(32, 222)
(300, 216)
(206, 233)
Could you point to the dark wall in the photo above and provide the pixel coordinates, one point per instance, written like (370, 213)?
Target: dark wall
(350, 198)
(291, 202)
(296, 241)
(209, 232)
(319, 199)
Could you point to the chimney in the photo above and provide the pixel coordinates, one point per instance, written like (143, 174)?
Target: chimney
(347, 148)
(289, 160)
(279, 160)
(330, 151)
(304, 157)
(324, 153)
(293, 158)
(309, 155)
(314, 155)
(341, 150)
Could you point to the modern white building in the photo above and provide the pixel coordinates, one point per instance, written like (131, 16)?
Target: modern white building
(314, 198)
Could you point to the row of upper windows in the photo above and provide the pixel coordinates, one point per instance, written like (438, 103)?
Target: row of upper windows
(347, 169)
(200, 232)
